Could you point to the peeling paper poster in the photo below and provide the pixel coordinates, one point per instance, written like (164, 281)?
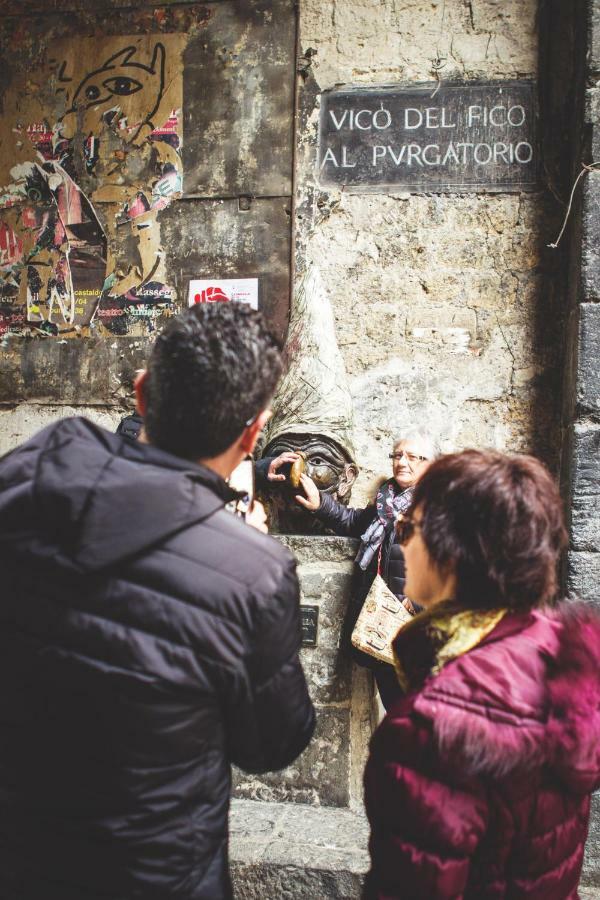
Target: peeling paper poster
(221, 290)
(87, 161)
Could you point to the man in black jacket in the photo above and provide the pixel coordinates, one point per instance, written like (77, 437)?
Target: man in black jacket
(148, 637)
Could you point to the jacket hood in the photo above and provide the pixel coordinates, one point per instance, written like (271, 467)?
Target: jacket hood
(89, 499)
(527, 695)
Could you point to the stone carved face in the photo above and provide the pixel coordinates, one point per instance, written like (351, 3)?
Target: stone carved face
(327, 465)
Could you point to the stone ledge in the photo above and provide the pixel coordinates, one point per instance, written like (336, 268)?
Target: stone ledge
(290, 850)
(318, 548)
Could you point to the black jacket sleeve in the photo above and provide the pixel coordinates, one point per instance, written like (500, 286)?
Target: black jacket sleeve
(261, 472)
(344, 520)
(273, 719)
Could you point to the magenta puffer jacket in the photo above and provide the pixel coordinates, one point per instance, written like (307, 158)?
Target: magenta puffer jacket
(479, 779)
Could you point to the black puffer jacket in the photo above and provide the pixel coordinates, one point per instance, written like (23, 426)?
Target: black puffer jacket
(349, 522)
(148, 638)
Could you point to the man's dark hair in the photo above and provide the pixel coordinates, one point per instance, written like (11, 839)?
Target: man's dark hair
(211, 371)
(498, 520)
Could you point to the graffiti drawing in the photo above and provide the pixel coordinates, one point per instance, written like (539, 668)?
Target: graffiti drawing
(87, 164)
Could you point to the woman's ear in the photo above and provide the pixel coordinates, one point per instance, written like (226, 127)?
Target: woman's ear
(139, 386)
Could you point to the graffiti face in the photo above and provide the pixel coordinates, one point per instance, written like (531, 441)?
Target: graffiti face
(122, 91)
(111, 161)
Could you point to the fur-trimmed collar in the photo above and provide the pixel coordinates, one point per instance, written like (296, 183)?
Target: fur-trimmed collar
(526, 694)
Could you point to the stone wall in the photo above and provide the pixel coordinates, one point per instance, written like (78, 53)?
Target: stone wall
(302, 833)
(329, 772)
(448, 308)
(581, 465)
(582, 393)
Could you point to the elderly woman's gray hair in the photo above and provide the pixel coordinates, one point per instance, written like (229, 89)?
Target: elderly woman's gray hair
(426, 440)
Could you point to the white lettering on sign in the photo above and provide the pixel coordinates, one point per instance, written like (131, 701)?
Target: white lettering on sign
(357, 118)
(483, 154)
(471, 134)
(413, 118)
(345, 163)
(436, 158)
(363, 120)
(338, 122)
(528, 151)
(382, 119)
(329, 157)
(497, 116)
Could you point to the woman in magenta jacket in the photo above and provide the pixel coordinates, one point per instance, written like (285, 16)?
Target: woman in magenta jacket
(479, 778)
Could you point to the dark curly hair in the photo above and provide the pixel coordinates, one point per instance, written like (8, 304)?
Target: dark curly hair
(212, 369)
(497, 520)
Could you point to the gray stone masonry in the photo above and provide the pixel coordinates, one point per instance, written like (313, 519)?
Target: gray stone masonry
(302, 833)
(329, 772)
(583, 423)
(285, 850)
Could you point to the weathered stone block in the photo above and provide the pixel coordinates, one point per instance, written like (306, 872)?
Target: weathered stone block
(590, 259)
(588, 375)
(593, 37)
(76, 371)
(320, 776)
(281, 850)
(19, 424)
(329, 772)
(329, 674)
(590, 876)
(585, 489)
(330, 592)
(320, 549)
(583, 576)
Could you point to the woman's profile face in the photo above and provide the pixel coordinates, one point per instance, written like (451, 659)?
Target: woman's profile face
(425, 584)
(409, 460)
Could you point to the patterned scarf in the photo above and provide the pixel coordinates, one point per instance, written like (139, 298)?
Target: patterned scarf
(391, 500)
(435, 637)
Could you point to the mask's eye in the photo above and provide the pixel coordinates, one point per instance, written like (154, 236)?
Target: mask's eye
(92, 92)
(122, 85)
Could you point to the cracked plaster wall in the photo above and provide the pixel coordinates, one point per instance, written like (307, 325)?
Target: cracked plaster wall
(447, 307)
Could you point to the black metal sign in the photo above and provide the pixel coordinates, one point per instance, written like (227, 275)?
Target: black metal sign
(310, 618)
(462, 137)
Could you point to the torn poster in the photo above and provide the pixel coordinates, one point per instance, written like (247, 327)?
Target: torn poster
(219, 290)
(87, 160)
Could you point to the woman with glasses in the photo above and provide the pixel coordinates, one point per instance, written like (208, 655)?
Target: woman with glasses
(379, 551)
(479, 778)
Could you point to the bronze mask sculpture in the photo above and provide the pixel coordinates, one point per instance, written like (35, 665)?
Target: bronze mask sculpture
(312, 411)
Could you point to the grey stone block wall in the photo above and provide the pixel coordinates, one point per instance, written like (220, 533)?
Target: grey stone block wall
(583, 354)
(282, 850)
(582, 383)
(329, 772)
(302, 833)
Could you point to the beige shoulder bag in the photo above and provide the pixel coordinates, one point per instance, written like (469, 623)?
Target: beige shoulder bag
(380, 619)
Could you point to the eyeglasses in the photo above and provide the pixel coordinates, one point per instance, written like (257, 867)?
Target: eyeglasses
(405, 528)
(411, 457)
